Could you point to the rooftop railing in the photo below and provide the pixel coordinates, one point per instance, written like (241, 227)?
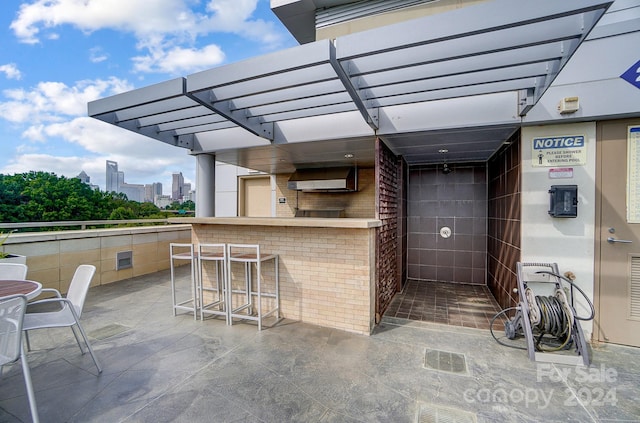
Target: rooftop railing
(81, 224)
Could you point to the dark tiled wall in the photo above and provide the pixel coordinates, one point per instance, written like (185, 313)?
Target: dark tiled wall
(504, 222)
(457, 200)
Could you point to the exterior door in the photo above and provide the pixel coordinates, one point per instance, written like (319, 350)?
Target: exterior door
(618, 267)
(255, 196)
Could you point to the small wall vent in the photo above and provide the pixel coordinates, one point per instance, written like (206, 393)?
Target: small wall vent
(634, 288)
(124, 260)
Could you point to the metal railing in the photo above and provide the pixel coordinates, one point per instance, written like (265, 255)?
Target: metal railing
(82, 224)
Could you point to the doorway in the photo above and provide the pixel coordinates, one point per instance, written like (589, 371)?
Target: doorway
(254, 196)
(617, 259)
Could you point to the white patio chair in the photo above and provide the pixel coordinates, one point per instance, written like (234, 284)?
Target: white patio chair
(12, 310)
(13, 271)
(69, 315)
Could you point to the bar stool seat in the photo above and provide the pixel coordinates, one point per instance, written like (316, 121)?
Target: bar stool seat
(249, 254)
(178, 251)
(216, 253)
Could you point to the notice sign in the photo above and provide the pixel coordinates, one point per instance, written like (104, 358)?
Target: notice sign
(559, 151)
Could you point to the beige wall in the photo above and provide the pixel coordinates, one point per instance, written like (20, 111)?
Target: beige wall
(360, 204)
(389, 18)
(52, 257)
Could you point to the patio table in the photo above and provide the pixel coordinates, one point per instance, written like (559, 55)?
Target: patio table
(30, 289)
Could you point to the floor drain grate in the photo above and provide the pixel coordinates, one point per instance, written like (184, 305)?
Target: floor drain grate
(445, 361)
(108, 331)
(434, 414)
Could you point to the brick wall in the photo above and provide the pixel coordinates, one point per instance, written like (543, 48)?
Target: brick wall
(326, 274)
(388, 206)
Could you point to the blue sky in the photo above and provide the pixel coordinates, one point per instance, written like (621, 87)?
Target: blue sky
(56, 55)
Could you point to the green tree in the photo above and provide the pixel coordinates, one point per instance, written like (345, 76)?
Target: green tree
(45, 197)
(122, 213)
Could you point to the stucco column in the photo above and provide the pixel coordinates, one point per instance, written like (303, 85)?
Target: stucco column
(205, 185)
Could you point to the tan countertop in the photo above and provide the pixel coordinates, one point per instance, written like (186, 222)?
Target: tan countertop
(315, 222)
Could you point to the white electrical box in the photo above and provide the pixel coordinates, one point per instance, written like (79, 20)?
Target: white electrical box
(569, 105)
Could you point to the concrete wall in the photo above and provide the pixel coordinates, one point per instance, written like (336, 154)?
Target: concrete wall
(567, 241)
(53, 257)
(593, 73)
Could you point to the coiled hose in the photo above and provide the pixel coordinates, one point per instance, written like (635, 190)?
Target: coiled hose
(556, 319)
(550, 315)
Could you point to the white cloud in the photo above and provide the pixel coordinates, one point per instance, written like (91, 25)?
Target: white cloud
(125, 15)
(11, 71)
(34, 133)
(97, 55)
(167, 30)
(62, 166)
(177, 61)
(101, 138)
(234, 16)
(55, 101)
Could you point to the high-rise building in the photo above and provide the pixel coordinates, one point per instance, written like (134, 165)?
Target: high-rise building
(112, 179)
(151, 190)
(86, 179)
(177, 187)
(134, 192)
(189, 196)
(162, 201)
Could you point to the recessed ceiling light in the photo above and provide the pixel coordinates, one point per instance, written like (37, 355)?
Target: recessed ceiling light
(348, 156)
(443, 150)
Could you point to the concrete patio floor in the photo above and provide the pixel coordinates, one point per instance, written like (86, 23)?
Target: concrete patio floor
(160, 368)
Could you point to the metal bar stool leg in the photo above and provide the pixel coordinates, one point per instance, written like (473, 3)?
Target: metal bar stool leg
(253, 308)
(190, 305)
(216, 253)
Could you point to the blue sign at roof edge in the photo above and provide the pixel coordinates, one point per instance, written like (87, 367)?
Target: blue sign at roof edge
(632, 75)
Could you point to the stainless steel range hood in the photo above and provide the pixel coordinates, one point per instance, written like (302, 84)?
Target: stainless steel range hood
(334, 179)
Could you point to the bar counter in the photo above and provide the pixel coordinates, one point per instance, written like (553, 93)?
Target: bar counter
(327, 265)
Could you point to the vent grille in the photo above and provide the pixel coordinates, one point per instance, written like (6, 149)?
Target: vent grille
(124, 260)
(634, 289)
(347, 12)
(445, 361)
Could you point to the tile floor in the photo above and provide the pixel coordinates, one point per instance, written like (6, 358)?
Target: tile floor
(453, 304)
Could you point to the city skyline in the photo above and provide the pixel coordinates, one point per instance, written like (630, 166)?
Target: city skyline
(148, 192)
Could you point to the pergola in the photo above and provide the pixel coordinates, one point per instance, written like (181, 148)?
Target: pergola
(457, 82)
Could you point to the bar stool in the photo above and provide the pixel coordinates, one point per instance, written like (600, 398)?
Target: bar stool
(216, 253)
(248, 254)
(179, 251)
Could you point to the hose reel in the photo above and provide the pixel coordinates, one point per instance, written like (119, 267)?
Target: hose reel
(548, 323)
